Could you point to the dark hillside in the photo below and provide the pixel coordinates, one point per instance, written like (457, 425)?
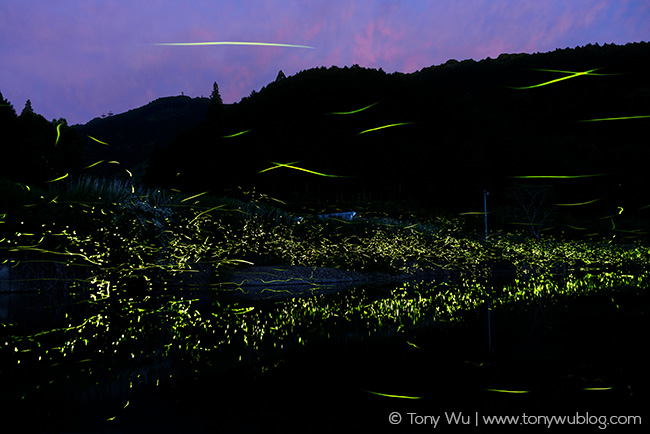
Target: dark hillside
(464, 127)
(134, 135)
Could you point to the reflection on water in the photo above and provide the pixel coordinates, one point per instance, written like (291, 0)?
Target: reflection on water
(130, 338)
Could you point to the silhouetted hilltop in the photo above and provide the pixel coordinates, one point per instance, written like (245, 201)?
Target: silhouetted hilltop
(135, 134)
(450, 131)
(35, 150)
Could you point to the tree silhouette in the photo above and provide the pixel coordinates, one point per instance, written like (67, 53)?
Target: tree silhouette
(5, 106)
(8, 131)
(280, 76)
(534, 204)
(27, 110)
(216, 103)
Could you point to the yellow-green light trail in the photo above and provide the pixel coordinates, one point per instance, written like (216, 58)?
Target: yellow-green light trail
(58, 134)
(557, 176)
(353, 111)
(192, 197)
(393, 396)
(507, 391)
(615, 119)
(98, 141)
(263, 44)
(574, 72)
(572, 75)
(236, 134)
(290, 166)
(59, 178)
(578, 204)
(385, 126)
(94, 164)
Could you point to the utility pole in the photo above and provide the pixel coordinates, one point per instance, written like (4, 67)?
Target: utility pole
(485, 194)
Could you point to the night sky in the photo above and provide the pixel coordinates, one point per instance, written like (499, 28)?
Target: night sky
(79, 59)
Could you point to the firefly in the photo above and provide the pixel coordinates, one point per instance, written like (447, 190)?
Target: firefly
(290, 166)
(98, 141)
(385, 126)
(353, 111)
(572, 75)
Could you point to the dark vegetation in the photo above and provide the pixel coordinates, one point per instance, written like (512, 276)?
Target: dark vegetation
(133, 136)
(467, 129)
(470, 132)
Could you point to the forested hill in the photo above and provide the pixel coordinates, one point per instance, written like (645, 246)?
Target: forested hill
(135, 134)
(451, 131)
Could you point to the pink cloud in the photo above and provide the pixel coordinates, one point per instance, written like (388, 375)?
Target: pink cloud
(77, 58)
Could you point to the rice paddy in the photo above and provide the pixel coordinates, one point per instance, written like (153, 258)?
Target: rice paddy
(110, 289)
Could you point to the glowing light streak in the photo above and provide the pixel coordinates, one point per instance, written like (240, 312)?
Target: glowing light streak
(93, 165)
(192, 197)
(558, 176)
(205, 212)
(58, 134)
(597, 388)
(278, 165)
(276, 290)
(574, 72)
(290, 166)
(98, 141)
(236, 134)
(262, 44)
(615, 119)
(578, 204)
(35, 249)
(572, 75)
(243, 310)
(353, 111)
(59, 178)
(507, 391)
(385, 126)
(393, 396)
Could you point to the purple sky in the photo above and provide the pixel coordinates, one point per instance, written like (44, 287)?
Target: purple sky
(79, 59)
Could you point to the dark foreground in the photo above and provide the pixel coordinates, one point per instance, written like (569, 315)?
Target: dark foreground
(587, 360)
